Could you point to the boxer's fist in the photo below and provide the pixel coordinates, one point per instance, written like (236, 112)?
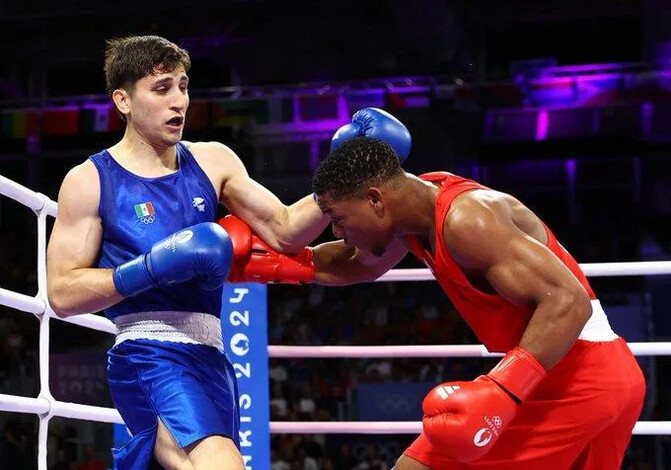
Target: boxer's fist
(203, 251)
(378, 124)
(255, 261)
(467, 418)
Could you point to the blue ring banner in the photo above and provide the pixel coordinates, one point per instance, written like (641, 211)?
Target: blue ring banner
(245, 332)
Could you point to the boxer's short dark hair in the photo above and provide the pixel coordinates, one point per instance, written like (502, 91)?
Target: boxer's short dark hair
(131, 58)
(355, 165)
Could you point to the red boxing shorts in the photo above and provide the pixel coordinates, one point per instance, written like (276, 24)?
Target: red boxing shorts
(580, 417)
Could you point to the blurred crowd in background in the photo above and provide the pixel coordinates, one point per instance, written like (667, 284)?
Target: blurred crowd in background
(565, 105)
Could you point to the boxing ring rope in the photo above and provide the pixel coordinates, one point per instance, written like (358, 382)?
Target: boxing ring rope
(638, 268)
(46, 407)
(642, 428)
(461, 350)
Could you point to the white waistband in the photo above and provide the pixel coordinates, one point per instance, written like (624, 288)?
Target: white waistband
(597, 327)
(202, 328)
(177, 327)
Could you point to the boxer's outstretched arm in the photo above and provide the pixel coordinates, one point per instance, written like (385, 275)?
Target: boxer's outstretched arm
(482, 237)
(286, 229)
(337, 264)
(74, 286)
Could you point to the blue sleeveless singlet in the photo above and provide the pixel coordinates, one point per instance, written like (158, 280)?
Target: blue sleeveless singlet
(137, 212)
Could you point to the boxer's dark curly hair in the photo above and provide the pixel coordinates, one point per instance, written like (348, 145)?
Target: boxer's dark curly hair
(131, 58)
(354, 166)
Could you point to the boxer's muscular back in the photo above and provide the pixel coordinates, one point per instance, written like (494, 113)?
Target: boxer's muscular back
(498, 323)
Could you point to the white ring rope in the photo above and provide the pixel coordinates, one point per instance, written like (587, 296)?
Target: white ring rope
(638, 268)
(45, 406)
(451, 350)
(409, 427)
(31, 199)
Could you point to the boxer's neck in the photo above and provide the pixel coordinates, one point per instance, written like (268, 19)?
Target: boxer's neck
(413, 206)
(140, 157)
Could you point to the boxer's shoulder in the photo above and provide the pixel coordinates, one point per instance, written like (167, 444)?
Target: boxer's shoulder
(212, 150)
(218, 161)
(214, 156)
(80, 190)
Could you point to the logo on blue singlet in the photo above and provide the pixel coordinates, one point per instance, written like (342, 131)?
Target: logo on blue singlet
(145, 212)
(199, 203)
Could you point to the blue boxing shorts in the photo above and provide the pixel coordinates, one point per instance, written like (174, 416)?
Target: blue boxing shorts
(170, 366)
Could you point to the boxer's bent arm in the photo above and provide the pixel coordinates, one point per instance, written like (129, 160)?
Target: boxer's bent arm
(482, 237)
(74, 286)
(337, 264)
(286, 229)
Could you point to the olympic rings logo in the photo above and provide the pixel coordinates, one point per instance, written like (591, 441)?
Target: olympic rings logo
(147, 220)
(393, 403)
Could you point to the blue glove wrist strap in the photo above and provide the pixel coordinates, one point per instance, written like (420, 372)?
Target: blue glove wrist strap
(133, 277)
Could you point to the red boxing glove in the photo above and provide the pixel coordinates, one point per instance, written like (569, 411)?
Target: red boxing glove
(465, 419)
(255, 261)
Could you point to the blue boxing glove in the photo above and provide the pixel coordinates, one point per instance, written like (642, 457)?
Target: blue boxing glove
(203, 251)
(378, 124)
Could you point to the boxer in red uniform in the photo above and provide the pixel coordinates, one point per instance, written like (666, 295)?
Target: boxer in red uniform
(568, 391)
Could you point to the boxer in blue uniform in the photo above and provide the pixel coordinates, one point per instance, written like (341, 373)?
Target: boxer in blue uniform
(135, 236)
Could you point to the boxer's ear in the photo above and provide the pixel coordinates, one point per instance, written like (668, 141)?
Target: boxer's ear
(121, 100)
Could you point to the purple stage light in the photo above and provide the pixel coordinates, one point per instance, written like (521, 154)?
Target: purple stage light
(542, 125)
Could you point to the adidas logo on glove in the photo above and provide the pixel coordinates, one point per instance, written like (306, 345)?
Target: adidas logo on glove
(446, 391)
